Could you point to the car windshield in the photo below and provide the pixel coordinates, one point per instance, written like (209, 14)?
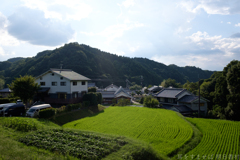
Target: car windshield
(32, 110)
(5, 108)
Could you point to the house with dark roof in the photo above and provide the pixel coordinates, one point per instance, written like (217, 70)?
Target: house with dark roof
(154, 89)
(114, 93)
(61, 86)
(5, 92)
(181, 100)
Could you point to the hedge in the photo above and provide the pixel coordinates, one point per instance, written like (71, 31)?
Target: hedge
(93, 98)
(47, 113)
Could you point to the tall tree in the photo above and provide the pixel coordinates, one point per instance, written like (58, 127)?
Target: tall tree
(24, 87)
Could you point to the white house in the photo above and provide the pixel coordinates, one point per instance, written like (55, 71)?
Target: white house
(62, 86)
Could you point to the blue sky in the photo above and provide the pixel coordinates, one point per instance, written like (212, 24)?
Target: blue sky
(201, 33)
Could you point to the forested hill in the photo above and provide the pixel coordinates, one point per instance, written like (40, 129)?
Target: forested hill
(103, 67)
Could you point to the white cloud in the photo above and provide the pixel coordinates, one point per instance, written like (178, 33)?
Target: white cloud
(190, 59)
(221, 7)
(229, 46)
(180, 30)
(61, 9)
(237, 25)
(3, 53)
(116, 31)
(31, 26)
(228, 22)
(128, 3)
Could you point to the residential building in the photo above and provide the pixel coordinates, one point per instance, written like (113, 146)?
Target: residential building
(113, 93)
(5, 92)
(62, 86)
(181, 100)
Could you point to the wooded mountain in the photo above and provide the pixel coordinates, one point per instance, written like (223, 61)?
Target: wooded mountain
(102, 67)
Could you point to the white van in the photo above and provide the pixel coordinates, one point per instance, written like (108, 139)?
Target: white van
(34, 110)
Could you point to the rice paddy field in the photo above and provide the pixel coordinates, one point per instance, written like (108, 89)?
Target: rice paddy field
(163, 129)
(221, 139)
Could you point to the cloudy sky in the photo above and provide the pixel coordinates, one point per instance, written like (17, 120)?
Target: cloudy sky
(201, 33)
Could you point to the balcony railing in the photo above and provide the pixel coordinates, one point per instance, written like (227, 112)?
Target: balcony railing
(62, 101)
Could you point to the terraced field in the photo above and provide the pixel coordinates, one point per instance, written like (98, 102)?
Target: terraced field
(163, 129)
(221, 140)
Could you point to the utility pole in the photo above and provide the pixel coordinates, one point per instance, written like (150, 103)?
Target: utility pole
(198, 97)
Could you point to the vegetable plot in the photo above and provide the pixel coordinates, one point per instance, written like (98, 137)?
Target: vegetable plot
(78, 144)
(220, 140)
(163, 129)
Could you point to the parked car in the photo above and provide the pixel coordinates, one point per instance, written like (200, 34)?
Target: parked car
(14, 110)
(34, 110)
(3, 106)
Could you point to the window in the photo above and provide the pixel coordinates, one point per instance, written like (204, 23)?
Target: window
(83, 82)
(162, 99)
(63, 83)
(42, 83)
(74, 83)
(54, 83)
(61, 77)
(52, 74)
(170, 100)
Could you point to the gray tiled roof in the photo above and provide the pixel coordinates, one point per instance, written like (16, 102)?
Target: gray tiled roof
(5, 90)
(170, 92)
(69, 74)
(183, 108)
(107, 94)
(188, 98)
(111, 86)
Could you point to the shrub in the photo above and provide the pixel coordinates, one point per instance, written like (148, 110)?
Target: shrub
(47, 113)
(123, 102)
(61, 109)
(92, 89)
(150, 102)
(71, 107)
(8, 100)
(93, 98)
(86, 103)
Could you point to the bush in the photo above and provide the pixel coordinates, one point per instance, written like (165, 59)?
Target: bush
(92, 89)
(8, 100)
(47, 113)
(61, 109)
(123, 102)
(150, 102)
(86, 103)
(93, 98)
(71, 107)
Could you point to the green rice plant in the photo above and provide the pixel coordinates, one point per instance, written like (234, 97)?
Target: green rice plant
(163, 129)
(221, 139)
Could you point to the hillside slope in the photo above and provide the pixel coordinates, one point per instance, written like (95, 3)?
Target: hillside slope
(163, 129)
(102, 67)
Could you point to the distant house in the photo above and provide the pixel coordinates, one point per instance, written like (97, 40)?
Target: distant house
(61, 86)
(154, 89)
(5, 92)
(181, 100)
(114, 93)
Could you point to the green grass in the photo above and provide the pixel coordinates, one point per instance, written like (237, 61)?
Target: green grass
(163, 129)
(220, 138)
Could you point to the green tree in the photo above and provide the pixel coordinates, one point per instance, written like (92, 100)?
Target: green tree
(170, 82)
(150, 102)
(135, 87)
(24, 87)
(2, 82)
(233, 84)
